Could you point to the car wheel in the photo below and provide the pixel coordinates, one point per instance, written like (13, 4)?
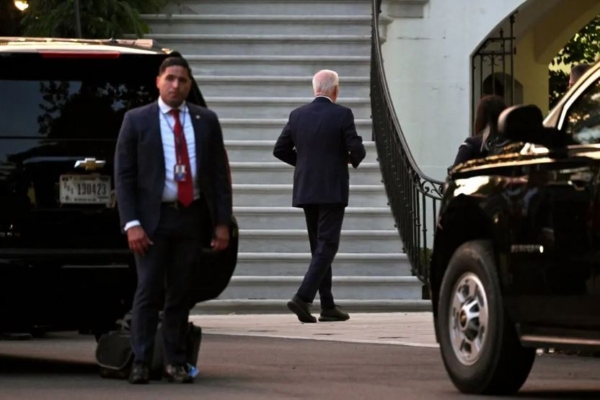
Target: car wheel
(479, 344)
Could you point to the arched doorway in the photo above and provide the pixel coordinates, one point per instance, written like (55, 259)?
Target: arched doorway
(505, 86)
(493, 67)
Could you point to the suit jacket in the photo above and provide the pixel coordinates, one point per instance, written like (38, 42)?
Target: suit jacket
(140, 166)
(470, 149)
(320, 140)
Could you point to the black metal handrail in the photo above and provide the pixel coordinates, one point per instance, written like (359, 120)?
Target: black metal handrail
(413, 196)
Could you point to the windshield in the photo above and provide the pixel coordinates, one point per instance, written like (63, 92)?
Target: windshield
(583, 117)
(72, 98)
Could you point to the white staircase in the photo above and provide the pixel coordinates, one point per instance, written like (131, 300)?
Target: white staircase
(254, 61)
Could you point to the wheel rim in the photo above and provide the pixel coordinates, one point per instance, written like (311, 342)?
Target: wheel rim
(468, 319)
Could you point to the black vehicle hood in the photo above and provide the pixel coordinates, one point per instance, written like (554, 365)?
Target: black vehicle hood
(528, 154)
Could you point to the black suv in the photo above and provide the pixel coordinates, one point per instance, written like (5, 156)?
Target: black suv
(516, 258)
(64, 260)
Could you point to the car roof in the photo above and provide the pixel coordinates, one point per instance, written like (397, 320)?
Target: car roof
(125, 46)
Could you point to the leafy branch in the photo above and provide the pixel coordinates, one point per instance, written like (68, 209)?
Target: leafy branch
(584, 47)
(100, 19)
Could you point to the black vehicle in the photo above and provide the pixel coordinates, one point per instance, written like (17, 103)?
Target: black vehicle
(516, 257)
(64, 260)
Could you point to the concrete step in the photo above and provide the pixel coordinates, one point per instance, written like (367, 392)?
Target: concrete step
(259, 24)
(275, 86)
(270, 128)
(262, 150)
(274, 306)
(281, 173)
(344, 287)
(314, 45)
(277, 107)
(355, 218)
(277, 65)
(345, 264)
(296, 241)
(270, 7)
(408, 8)
(271, 195)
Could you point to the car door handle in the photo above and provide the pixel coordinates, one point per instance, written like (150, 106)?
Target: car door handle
(90, 164)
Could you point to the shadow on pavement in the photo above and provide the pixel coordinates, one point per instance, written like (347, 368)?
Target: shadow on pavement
(19, 365)
(558, 394)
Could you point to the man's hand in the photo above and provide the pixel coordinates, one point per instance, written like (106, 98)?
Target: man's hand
(138, 240)
(221, 239)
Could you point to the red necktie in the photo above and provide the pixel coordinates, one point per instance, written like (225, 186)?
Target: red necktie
(185, 188)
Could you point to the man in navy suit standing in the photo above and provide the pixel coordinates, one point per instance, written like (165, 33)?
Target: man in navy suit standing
(320, 140)
(170, 158)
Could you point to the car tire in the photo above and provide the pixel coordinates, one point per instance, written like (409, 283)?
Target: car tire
(479, 344)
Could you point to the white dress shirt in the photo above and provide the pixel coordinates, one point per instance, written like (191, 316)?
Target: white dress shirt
(167, 126)
(326, 97)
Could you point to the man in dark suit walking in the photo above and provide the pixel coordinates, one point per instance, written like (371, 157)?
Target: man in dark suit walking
(170, 156)
(320, 140)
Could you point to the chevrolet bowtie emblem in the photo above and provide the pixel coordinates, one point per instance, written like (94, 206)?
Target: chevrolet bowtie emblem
(90, 164)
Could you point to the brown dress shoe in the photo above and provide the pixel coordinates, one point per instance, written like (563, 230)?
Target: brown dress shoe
(334, 314)
(178, 373)
(301, 309)
(140, 374)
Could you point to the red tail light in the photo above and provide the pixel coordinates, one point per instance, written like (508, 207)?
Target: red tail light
(80, 54)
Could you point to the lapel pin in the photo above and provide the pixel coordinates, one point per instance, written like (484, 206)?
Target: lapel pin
(197, 117)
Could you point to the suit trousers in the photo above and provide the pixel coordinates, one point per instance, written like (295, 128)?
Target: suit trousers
(163, 276)
(324, 224)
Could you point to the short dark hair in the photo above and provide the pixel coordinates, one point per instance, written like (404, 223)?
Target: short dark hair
(578, 70)
(172, 62)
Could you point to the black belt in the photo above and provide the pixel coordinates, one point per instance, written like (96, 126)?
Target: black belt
(171, 204)
(177, 204)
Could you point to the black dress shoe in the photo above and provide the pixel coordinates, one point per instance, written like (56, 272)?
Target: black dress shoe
(301, 309)
(178, 373)
(334, 314)
(140, 374)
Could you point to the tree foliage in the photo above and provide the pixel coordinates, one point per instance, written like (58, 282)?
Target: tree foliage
(100, 19)
(584, 47)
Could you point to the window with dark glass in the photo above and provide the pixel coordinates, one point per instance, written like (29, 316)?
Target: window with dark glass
(72, 98)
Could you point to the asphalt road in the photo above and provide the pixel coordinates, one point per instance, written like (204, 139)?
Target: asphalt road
(61, 366)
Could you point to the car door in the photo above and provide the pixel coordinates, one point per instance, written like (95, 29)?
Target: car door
(555, 263)
(580, 119)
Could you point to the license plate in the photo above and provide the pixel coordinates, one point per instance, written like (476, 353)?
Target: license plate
(84, 189)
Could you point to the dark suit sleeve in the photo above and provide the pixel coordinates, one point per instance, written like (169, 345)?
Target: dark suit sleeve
(467, 151)
(284, 147)
(126, 171)
(220, 173)
(354, 144)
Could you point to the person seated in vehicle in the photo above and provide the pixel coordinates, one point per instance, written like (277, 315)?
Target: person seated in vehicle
(577, 72)
(484, 132)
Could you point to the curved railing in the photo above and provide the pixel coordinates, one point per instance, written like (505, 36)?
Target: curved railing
(412, 195)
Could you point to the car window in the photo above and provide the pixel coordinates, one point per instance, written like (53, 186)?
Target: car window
(72, 98)
(583, 118)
